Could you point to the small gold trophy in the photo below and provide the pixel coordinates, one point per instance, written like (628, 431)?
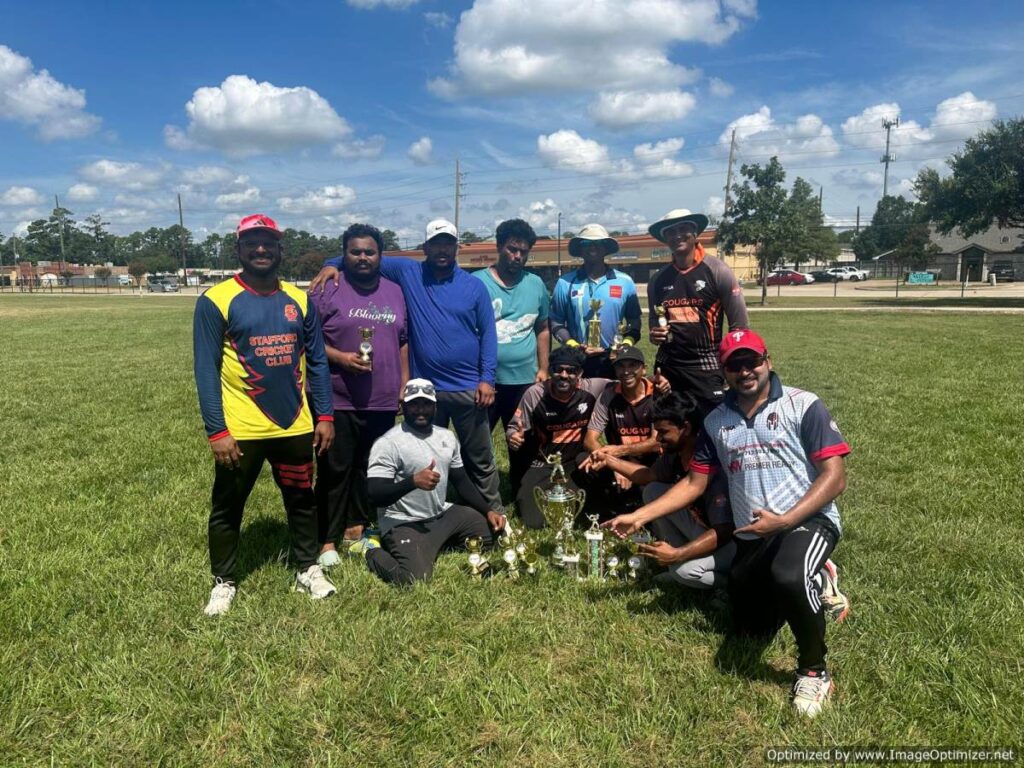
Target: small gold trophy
(511, 560)
(560, 505)
(662, 313)
(594, 324)
(530, 560)
(478, 565)
(365, 347)
(612, 566)
(595, 550)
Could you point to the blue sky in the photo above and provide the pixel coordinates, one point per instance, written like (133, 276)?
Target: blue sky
(324, 113)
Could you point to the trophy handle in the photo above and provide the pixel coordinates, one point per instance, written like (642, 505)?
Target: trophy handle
(580, 501)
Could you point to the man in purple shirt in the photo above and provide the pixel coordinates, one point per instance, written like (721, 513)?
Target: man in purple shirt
(365, 393)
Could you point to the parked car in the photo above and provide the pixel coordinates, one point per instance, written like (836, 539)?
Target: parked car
(824, 276)
(166, 285)
(788, 277)
(1003, 271)
(849, 273)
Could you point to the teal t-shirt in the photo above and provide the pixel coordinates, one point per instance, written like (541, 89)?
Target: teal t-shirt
(516, 311)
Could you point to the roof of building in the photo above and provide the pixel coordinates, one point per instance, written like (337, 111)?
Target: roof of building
(992, 240)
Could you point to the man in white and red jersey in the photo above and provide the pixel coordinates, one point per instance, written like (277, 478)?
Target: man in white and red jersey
(784, 459)
(694, 290)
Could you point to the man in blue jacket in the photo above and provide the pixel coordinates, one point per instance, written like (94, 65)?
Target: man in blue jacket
(452, 342)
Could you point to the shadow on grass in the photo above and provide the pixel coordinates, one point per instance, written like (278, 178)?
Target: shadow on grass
(741, 657)
(968, 301)
(265, 540)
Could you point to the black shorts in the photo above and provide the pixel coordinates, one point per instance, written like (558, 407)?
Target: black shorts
(706, 387)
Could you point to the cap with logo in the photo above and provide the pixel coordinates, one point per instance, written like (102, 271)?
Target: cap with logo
(629, 352)
(743, 338)
(418, 388)
(440, 227)
(258, 221)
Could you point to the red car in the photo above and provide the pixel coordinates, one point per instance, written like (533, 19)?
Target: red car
(788, 277)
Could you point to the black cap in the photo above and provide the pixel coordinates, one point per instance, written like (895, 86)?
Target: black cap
(630, 352)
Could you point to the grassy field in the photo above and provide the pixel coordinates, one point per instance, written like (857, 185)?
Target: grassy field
(105, 658)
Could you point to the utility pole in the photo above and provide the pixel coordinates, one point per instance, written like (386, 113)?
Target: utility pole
(821, 194)
(856, 229)
(559, 243)
(728, 173)
(887, 157)
(181, 239)
(56, 204)
(458, 193)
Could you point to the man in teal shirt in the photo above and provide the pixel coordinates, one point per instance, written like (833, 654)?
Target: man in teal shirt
(520, 302)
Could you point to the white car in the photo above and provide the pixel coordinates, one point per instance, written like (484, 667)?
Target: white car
(849, 273)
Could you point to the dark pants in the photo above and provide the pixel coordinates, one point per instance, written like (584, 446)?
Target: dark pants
(506, 400)
(291, 459)
(598, 367)
(470, 425)
(540, 477)
(341, 497)
(773, 582)
(706, 387)
(407, 552)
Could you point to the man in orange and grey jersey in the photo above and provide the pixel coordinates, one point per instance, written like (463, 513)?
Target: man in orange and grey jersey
(552, 418)
(694, 290)
(622, 417)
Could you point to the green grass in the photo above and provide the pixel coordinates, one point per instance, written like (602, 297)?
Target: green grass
(105, 658)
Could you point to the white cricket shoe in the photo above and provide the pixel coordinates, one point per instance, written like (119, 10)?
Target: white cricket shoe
(314, 583)
(836, 604)
(221, 595)
(811, 691)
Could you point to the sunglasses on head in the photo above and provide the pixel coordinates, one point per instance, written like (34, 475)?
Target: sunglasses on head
(418, 389)
(737, 363)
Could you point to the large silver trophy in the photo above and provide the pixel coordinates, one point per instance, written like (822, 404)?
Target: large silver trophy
(560, 505)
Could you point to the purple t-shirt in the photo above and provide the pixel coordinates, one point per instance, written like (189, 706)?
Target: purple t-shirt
(343, 311)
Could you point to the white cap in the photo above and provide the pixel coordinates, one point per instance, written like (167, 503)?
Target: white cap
(416, 388)
(440, 227)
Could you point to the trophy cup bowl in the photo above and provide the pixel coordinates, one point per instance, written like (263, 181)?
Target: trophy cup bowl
(365, 347)
(594, 324)
(662, 313)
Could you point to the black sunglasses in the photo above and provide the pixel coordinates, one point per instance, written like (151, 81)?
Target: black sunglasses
(737, 363)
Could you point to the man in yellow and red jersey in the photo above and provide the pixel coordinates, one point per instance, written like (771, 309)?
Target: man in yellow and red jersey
(695, 290)
(257, 342)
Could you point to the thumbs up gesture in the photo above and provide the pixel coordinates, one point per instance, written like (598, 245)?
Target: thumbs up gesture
(427, 478)
(661, 385)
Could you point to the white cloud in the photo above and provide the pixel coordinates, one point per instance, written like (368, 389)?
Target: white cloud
(422, 151)
(760, 137)
(438, 19)
(166, 203)
(21, 196)
(715, 206)
(207, 175)
(624, 109)
(243, 117)
(719, 88)
(21, 228)
(359, 149)
(121, 174)
(958, 117)
(330, 199)
(82, 193)
(567, 150)
(517, 47)
(35, 98)
(857, 179)
(371, 4)
(659, 160)
(230, 200)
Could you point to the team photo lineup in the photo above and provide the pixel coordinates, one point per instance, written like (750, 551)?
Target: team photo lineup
(374, 397)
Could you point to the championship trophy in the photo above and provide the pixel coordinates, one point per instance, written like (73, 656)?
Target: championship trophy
(560, 505)
(365, 347)
(594, 324)
(595, 550)
(662, 313)
(478, 565)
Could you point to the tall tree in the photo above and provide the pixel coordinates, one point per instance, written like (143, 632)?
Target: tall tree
(986, 184)
(892, 221)
(757, 215)
(390, 240)
(98, 242)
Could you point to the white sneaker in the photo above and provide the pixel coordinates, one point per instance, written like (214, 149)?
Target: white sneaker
(811, 691)
(313, 582)
(221, 595)
(835, 602)
(329, 558)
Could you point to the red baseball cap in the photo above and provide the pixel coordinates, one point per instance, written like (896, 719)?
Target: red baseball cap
(258, 221)
(744, 338)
